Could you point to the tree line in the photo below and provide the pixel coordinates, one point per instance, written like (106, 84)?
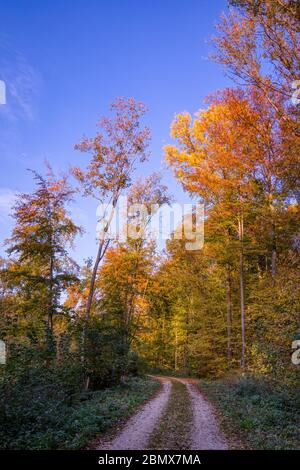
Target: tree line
(233, 304)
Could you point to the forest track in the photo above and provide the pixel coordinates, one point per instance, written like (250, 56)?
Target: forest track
(206, 433)
(178, 417)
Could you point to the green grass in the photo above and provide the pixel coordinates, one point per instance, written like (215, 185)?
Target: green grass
(173, 429)
(256, 413)
(75, 425)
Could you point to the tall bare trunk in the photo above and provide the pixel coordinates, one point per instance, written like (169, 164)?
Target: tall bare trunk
(161, 353)
(187, 341)
(242, 293)
(49, 322)
(176, 353)
(51, 275)
(273, 237)
(274, 253)
(274, 263)
(93, 280)
(101, 252)
(50, 313)
(229, 313)
(103, 245)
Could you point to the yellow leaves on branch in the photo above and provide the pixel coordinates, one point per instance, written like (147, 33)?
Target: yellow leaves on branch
(216, 150)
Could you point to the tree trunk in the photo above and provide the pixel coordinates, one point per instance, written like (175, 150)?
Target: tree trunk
(273, 239)
(175, 355)
(186, 343)
(229, 313)
(242, 295)
(49, 323)
(101, 252)
(103, 245)
(93, 280)
(50, 313)
(162, 349)
(274, 263)
(274, 253)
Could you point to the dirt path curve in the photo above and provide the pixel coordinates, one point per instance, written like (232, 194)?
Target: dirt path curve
(137, 430)
(204, 432)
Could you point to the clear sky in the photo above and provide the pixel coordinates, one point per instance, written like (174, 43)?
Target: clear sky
(64, 61)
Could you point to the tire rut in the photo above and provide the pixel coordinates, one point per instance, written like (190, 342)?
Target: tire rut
(136, 432)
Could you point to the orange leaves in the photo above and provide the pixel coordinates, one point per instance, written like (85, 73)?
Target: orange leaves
(216, 149)
(119, 143)
(78, 173)
(181, 126)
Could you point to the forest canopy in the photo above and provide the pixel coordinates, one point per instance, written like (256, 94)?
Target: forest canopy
(231, 307)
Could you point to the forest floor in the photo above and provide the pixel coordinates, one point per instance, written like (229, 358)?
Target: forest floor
(178, 417)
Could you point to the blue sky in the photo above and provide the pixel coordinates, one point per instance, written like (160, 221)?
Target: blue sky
(63, 62)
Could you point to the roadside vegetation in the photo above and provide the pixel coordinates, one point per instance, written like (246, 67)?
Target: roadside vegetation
(41, 413)
(260, 414)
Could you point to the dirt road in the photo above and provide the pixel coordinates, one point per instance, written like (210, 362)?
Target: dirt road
(178, 417)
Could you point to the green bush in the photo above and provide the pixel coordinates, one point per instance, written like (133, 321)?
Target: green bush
(45, 408)
(43, 401)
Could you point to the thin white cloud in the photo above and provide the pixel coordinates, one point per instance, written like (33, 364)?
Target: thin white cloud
(7, 200)
(22, 83)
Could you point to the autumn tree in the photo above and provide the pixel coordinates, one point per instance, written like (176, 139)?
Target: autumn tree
(119, 144)
(213, 159)
(41, 269)
(185, 325)
(127, 268)
(258, 42)
(232, 156)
